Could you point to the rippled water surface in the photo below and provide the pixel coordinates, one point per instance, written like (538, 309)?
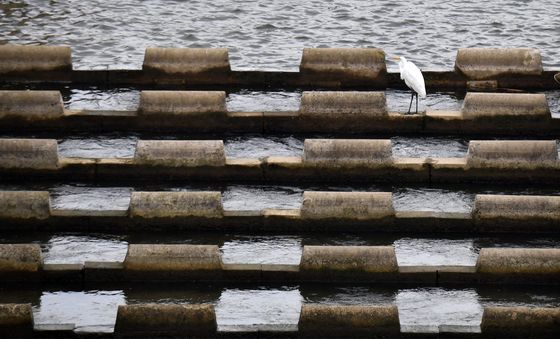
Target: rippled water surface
(271, 35)
(272, 306)
(247, 197)
(77, 248)
(82, 308)
(122, 146)
(254, 101)
(433, 307)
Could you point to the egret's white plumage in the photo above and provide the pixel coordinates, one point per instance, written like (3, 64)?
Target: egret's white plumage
(412, 77)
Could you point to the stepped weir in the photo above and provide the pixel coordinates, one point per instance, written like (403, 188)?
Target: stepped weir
(346, 123)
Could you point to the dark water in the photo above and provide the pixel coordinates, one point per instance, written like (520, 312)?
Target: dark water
(117, 145)
(271, 35)
(249, 197)
(123, 145)
(246, 100)
(257, 306)
(76, 248)
(269, 101)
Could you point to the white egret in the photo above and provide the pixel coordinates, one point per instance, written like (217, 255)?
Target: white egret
(413, 78)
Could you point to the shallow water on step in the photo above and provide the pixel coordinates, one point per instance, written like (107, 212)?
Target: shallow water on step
(255, 306)
(66, 248)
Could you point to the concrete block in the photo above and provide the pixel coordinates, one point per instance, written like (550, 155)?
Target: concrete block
(183, 103)
(343, 105)
(348, 321)
(487, 63)
(176, 204)
(29, 153)
(365, 63)
(511, 154)
(182, 153)
(516, 207)
(363, 259)
(16, 319)
(24, 204)
(166, 319)
(486, 105)
(347, 152)
(347, 205)
(186, 60)
(537, 261)
(520, 321)
(20, 58)
(141, 257)
(20, 258)
(31, 105)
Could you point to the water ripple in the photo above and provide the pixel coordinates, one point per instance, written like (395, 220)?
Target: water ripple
(102, 32)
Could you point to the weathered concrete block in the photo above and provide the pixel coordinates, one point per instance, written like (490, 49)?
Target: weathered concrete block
(166, 319)
(486, 63)
(173, 258)
(348, 321)
(182, 153)
(20, 257)
(341, 152)
(344, 62)
(176, 204)
(519, 260)
(347, 105)
(520, 320)
(347, 205)
(512, 154)
(186, 60)
(20, 58)
(31, 105)
(516, 207)
(24, 204)
(364, 259)
(183, 103)
(16, 319)
(484, 105)
(29, 153)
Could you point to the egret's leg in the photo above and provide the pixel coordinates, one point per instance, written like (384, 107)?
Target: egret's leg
(416, 103)
(410, 106)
